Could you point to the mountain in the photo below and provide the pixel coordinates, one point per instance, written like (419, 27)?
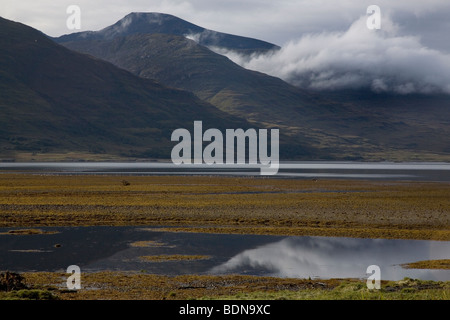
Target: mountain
(182, 63)
(159, 23)
(417, 126)
(340, 125)
(54, 100)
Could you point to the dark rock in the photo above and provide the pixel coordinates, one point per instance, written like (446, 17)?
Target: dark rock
(10, 281)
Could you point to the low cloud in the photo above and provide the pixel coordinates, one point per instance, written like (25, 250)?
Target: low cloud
(383, 60)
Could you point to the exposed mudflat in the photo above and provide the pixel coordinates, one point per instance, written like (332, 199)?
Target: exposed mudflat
(363, 209)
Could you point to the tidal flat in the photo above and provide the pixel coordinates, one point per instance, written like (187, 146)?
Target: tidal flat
(342, 208)
(232, 205)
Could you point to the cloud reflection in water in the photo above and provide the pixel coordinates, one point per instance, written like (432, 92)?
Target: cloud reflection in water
(324, 257)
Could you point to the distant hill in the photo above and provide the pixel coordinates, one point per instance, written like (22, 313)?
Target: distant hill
(54, 100)
(160, 23)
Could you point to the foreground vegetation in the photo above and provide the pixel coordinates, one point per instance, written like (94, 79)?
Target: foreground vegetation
(140, 286)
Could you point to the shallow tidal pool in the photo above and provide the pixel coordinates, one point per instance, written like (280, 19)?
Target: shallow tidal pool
(155, 251)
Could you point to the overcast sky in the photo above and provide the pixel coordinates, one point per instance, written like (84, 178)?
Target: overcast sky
(275, 21)
(414, 39)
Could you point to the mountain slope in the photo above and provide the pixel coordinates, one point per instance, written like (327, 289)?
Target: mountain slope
(182, 63)
(54, 100)
(179, 62)
(337, 126)
(159, 23)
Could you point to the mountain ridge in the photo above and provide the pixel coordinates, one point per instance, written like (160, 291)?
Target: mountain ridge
(161, 23)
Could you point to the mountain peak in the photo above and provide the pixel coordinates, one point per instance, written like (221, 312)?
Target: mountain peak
(162, 23)
(147, 20)
(149, 23)
(151, 17)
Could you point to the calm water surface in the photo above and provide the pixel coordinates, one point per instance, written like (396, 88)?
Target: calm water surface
(110, 248)
(434, 171)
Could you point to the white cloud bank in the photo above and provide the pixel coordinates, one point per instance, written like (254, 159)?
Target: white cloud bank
(383, 60)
